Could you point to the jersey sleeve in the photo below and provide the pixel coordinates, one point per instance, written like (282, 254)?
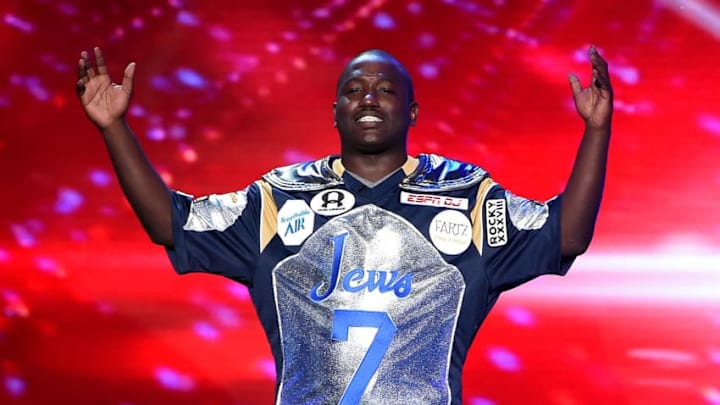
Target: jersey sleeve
(522, 238)
(217, 233)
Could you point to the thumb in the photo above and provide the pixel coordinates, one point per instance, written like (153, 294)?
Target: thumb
(128, 76)
(575, 85)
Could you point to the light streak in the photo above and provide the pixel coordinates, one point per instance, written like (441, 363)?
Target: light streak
(699, 12)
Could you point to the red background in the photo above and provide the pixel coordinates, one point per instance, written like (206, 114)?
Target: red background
(91, 311)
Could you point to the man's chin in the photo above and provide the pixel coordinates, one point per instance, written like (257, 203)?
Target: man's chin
(375, 146)
(370, 141)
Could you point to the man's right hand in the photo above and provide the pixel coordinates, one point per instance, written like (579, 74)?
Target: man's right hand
(105, 102)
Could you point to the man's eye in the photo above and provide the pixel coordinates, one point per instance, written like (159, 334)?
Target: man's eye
(353, 90)
(387, 90)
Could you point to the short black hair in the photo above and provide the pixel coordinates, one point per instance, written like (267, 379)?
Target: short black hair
(379, 53)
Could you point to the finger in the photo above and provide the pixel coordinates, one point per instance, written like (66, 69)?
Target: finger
(597, 61)
(602, 75)
(80, 88)
(87, 66)
(100, 61)
(602, 84)
(128, 75)
(575, 85)
(81, 69)
(597, 80)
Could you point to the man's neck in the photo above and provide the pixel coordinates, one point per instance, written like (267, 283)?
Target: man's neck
(373, 167)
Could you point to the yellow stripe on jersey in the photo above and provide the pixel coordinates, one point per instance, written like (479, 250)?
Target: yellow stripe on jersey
(477, 212)
(338, 167)
(410, 165)
(268, 214)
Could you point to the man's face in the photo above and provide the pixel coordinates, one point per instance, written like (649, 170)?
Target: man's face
(373, 110)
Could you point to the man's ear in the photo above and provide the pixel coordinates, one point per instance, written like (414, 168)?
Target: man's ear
(414, 107)
(334, 120)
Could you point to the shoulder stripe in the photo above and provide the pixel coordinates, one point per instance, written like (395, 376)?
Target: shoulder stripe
(268, 214)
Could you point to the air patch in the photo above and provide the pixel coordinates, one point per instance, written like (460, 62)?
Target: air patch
(295, 222)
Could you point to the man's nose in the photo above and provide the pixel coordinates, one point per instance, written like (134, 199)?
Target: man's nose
(369, 98)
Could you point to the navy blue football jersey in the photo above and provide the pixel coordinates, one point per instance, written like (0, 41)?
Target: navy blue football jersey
(370, 295)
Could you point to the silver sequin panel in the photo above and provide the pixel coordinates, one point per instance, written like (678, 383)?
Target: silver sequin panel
(526, 214)
(216, 212)
(414, 369)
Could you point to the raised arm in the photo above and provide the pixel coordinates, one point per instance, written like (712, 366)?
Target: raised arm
(105, 104)
(583, 192)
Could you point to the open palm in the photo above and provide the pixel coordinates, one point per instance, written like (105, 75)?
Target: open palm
(595, 102)
(104, 102)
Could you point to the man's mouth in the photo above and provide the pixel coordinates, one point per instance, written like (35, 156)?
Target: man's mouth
(369, 118)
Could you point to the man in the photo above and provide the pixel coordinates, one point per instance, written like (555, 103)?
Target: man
(370, 271)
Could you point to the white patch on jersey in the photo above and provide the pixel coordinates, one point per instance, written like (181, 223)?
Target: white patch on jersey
(450, 232)
(434, 200)
(215, 212)
(295, 222)
(496, 222)
(332, 202)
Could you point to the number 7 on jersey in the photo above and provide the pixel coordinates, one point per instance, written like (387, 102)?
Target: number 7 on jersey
(343, 320)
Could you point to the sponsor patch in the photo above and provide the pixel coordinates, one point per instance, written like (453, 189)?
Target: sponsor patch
(496, 222)
(332, 202)
(450, 232)
(295, 222)
(434, 200)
